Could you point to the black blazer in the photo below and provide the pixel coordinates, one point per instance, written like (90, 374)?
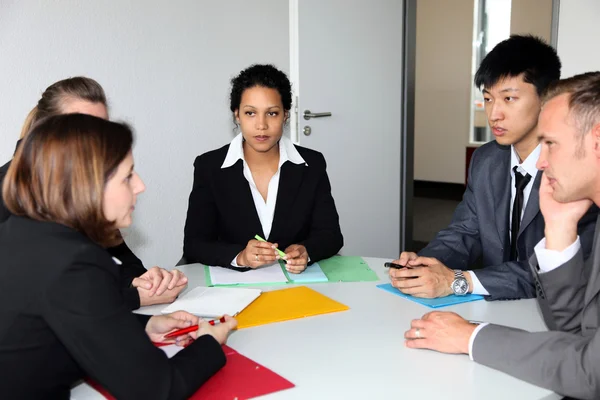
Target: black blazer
(4, 213)
(64, 317)
(222, 217)
(132, 266)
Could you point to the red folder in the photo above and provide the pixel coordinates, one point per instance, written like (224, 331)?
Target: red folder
(240, 378)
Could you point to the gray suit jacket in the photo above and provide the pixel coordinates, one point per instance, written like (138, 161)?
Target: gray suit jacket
(566, 359)
(480, 228)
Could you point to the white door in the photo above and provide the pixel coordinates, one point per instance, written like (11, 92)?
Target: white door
(349, 63)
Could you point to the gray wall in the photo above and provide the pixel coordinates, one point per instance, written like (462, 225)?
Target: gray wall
(165, 66)
(442, 89)
(578, 33)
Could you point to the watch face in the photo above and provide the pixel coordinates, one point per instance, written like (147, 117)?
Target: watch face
(460, 286)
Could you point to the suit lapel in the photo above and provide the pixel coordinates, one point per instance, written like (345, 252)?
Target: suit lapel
(533, 203)
(290, 180)
(499, 183)
(234, 185)
(594, 282)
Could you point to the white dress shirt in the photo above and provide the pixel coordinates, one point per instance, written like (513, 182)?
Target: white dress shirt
(526, 167)
(264, 209)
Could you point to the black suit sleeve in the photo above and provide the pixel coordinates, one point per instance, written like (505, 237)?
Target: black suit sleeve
(201, 242)
(85, 310)
(4, 213)
(131, 268)
(325, 237)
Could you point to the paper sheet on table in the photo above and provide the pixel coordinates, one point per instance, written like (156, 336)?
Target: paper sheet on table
(213, 302)
(260, 276)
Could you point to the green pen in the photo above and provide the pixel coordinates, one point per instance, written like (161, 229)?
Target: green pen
(281, 253)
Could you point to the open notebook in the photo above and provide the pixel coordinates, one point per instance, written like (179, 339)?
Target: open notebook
(266, 275)
(214, 302)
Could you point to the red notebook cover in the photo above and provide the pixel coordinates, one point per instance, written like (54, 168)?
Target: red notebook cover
(240, 378)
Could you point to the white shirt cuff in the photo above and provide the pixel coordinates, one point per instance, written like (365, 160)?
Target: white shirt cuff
(549, 260)
(234, 261)
(477, 286)
(472, 338)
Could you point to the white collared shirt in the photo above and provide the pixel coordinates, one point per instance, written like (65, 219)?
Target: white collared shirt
(526, 167)
(264, 209)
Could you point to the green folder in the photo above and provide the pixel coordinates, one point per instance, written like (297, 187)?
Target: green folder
(347, 269)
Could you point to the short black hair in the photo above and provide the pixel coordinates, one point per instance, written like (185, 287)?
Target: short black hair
(263, 75)
(520, 54)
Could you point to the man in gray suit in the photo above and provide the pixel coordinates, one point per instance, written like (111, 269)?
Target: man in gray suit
(566, 359)
(499, 217)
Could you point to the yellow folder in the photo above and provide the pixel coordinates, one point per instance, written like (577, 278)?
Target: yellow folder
(286, 304)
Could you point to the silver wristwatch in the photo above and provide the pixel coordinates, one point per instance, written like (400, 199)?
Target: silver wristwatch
(460, 285)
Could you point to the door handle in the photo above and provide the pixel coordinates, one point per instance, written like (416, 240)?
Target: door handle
(308, 115)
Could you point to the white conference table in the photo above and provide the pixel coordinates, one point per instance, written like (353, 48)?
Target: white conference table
(360, 353)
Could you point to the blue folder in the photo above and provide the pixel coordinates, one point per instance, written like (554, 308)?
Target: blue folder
(432, 303)
(313, 273)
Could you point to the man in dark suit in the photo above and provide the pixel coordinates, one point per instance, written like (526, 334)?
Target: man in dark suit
(499, 218)
(566, 359)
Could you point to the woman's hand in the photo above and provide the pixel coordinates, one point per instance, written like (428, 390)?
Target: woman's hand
(159, 325)
(159, 286)
(296, 258)
(218, 331)
(257, 254)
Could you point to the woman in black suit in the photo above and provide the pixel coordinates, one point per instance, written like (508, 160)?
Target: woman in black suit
(261, 184)
(86, 96)
(71, 186)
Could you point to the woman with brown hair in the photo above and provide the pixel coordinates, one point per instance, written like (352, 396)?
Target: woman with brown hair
(86, 96)
(70, 187)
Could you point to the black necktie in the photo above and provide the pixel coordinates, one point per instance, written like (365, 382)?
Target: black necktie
(520, 183)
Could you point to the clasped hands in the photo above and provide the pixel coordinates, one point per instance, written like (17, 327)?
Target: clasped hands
(258, 253)
(159, 286)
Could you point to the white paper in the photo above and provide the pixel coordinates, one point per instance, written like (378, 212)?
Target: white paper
(268, 274)
(214, 302)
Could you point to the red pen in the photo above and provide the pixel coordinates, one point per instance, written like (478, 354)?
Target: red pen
(192, 328)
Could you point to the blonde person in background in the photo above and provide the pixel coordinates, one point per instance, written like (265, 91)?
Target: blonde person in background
(141, 287)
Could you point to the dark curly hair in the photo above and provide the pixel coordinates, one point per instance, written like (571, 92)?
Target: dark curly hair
(263, 75)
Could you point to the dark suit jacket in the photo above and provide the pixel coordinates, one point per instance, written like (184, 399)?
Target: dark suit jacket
(222, 218)
(4, 213)
(566, 359)
(132, 266)
(480, 228)
(64, 317)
